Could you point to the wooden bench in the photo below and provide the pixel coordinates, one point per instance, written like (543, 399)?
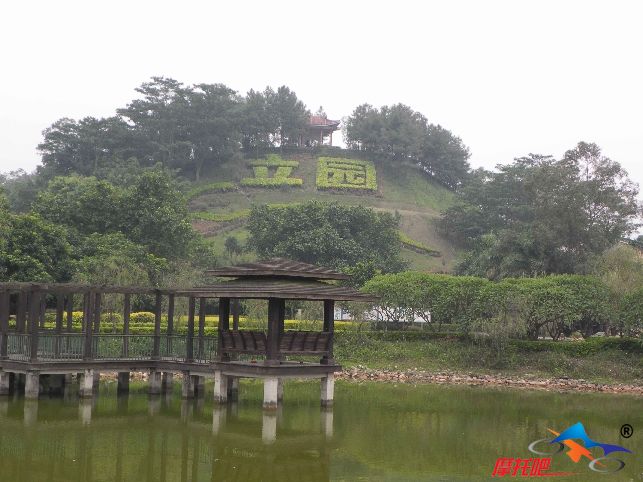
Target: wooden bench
(290, 342)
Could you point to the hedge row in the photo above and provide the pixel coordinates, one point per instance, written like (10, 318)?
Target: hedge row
(220, 217)
(346, 174)
(417, 245)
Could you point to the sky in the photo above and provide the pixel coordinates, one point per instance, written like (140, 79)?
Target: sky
(508, 77)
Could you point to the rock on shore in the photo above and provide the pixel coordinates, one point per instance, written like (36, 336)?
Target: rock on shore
(360, 373)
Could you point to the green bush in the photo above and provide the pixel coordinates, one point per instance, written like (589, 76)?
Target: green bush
(142, 317)
(346, 174)
(223, 186)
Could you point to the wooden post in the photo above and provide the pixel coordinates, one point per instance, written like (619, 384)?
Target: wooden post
(272, 342)
(87, 322)
(224, 324)
(95, 335)
(5, 298)
(98, 309)
(235, 314)
(329, 327)
(70, 312)
(21, 312)
(282, 315)
(43, 307)
(201, 327)
(157, 327)
(127, 309)
(60, 308)
(34, 315)
(170, 324)
(189, 342)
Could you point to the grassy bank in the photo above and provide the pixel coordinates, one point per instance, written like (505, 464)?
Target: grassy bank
(597, 360)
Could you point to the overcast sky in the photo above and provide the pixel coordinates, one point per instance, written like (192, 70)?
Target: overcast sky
(508, 77)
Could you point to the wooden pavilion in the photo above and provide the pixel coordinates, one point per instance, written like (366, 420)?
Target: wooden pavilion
(319, 129)
(29, 349)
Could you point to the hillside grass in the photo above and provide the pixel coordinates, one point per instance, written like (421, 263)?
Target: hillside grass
(404, 190)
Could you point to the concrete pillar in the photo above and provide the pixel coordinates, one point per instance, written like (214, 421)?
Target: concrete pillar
(123, 382)
(280, 390)
(187, 387)
(220, 387)
(154, 406)
(327, 422)
(218, 419)
(30, 413)
(5, 382)
(270, 393)
(167, 382)
(154, 382)
(32, 385)
(269, 427)
(85, 411)
(86, 385)
(233, 388)
(328, 390)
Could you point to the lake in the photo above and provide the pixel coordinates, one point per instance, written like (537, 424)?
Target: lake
(375, 432)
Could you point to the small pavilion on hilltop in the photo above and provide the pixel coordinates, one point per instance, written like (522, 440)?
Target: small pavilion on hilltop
(277, 280)
(319, 129)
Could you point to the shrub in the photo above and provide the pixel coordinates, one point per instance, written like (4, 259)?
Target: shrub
(223, 186)
(346, 174)
(141, 317)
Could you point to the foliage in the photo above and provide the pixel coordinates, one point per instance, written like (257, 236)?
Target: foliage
(346, 174)
(416, 245)
(632, 312)
(282, 170)
(327, 234)
(400, 135)
(540, 215)
(223, 186)
(233, 247)
(523, 307)
(220, 217)
(33, 249)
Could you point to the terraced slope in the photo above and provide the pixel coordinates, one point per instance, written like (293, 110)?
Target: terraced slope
(220, 203)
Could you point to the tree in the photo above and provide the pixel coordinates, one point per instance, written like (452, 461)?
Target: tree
(258, 125)
(542, 215)
(328, 234)
(84, 204)
(233, 247)
(154, 213)
(33, 249)
(290, 115)
(398, 134)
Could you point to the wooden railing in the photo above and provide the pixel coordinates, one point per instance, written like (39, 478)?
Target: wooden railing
(290, 342)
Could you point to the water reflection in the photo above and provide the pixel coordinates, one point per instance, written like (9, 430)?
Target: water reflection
(134, 438)
(376, 432)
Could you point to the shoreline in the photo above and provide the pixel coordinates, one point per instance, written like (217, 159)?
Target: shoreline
(358, 374)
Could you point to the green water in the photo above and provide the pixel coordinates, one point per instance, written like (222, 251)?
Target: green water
(376, 432)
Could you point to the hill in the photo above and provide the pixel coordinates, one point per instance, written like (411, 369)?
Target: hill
(221, 201)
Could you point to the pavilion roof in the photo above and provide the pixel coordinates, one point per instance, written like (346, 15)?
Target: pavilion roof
(285, 289)
(278, 267)
(321, 121)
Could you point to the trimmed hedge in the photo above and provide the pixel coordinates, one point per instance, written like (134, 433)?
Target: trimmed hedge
(417, 245)
(281, 178)
(341, 174)
(220, 217)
